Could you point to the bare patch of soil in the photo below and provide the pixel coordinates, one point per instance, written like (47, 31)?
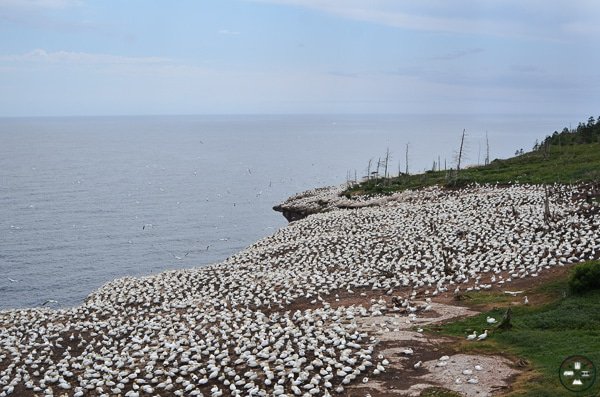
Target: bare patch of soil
(401, 343)
(526, 284)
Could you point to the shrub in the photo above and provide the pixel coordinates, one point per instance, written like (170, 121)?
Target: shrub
(458, 181)
(585, 277)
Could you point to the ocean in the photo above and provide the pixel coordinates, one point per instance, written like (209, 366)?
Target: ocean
(85, 200)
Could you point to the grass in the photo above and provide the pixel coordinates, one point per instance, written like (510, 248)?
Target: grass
(561, 164)
(438, 392)
(542, 335)
(484, 300)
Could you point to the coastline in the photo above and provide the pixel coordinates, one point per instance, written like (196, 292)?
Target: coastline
(289, 311)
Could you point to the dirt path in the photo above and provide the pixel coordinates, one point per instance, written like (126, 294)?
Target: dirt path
(438, 364)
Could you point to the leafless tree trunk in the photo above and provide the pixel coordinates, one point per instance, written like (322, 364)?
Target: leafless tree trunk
(406, 159)
(505, 323)
(460, 152)
(547, 214)
(487, 145)
(387, 158)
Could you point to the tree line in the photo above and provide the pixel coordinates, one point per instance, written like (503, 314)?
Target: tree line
(584, 133)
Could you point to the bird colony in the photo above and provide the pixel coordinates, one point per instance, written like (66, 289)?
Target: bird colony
(271, 320)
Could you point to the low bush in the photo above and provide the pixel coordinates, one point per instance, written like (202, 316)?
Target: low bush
(585, 277)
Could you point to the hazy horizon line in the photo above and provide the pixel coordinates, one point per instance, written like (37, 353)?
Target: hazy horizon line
(273, 114)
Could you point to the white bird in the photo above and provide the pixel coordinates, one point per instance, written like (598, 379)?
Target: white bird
(513, 293)
(491, 320)
(525, 301)
(472, 336)
(482, 336)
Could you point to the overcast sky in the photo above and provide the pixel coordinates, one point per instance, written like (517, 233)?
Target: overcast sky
(105, 57)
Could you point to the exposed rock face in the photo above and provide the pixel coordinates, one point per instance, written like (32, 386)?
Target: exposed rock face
(307, 203)
(324, 199)
(330, 198)
(292, 214)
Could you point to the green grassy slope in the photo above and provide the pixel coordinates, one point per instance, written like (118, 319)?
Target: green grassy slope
(543, 335)
(559, 164)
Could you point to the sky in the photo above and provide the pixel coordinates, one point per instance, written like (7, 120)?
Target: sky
(143, 57)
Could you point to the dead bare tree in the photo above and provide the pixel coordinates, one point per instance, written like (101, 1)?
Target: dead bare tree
(406, 159)
(505, 323)
(547, 214)
(545, 152)
(487, 146)
(387, 158)
(460, 151)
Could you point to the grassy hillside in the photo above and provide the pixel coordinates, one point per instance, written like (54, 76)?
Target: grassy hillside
(553, 163)
(560, 325)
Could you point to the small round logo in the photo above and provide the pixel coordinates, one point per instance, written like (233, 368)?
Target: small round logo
(577, 373)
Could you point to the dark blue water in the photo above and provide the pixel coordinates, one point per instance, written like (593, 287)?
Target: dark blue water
(86, 200)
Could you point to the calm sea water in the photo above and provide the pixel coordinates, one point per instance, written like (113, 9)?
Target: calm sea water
(86, 200)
